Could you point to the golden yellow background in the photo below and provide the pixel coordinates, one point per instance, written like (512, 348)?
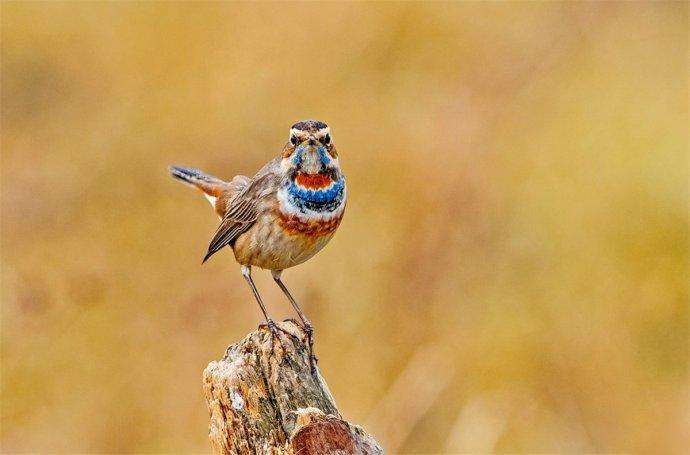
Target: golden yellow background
(511, 272)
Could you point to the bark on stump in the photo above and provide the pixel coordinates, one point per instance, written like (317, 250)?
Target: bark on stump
(264, 398)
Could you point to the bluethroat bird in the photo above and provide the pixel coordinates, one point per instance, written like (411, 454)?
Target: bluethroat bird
(283, 215)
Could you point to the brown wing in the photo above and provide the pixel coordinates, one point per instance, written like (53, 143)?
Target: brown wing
(243, 209)
(233, 188)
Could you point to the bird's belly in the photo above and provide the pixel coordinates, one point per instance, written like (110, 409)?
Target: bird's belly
(277, 241)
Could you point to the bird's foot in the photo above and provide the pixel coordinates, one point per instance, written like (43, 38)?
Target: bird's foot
(309, 330)
(276, 330)
(274, 333)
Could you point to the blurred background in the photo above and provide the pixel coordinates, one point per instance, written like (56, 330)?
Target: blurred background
(511, 273)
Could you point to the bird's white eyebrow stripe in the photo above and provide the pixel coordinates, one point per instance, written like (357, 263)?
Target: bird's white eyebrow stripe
(321, 132)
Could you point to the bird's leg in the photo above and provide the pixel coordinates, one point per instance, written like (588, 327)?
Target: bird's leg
(305, 322)
(308, 328)
(247, 274)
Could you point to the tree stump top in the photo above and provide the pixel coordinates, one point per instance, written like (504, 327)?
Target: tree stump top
(264, 397)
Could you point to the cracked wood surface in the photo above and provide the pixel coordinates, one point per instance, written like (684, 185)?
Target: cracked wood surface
(264, 398)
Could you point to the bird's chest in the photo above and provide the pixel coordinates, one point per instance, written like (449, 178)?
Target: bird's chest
(293, 230)
(278, 241)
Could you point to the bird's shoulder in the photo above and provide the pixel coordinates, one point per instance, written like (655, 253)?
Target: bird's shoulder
(268, 178)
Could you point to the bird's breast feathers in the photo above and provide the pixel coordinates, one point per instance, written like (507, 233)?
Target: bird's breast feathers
(311, 205)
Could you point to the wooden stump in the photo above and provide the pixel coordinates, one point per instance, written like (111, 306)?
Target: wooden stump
(264, 398)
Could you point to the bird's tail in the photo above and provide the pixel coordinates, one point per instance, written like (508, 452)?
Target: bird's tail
(212, 186)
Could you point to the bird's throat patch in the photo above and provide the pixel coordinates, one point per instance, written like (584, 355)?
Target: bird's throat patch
(313, 181)
(321, 200)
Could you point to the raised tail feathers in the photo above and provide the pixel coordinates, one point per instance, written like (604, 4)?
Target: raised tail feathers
(212, 186)
(218, 192)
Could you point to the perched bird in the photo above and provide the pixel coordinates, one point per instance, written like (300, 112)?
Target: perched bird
(283, 215)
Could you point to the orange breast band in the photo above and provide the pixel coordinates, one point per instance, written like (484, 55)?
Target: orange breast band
(294, 225)
(313, 181)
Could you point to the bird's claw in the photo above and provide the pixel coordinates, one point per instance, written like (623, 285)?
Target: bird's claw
(275, 330)
(309, 330)
(272, 326)
(274, 333)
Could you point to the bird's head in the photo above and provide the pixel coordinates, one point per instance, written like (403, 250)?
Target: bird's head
(310, 150)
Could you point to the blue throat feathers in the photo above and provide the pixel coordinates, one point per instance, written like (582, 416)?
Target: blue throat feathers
(317, 200)
(325, 200)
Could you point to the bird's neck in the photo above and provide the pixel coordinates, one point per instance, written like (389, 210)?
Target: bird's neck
(313, 195)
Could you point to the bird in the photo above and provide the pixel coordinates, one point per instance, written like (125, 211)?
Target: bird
(282, 216)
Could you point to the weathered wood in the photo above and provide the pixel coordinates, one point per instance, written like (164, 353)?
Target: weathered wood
(264, 398)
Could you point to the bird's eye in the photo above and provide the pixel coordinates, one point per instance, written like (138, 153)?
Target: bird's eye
(293, 139)
(327, 139)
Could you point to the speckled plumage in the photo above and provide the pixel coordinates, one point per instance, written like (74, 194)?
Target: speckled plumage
(283, 215)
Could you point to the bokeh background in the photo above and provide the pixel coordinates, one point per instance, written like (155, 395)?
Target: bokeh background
(511, 274)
